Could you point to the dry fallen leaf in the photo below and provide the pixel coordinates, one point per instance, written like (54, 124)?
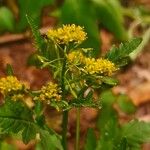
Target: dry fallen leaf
(140, 94)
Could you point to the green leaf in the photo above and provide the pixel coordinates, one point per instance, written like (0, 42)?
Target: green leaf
(9, 70)
(109, 129)
(107, 98)
(88, 101)
(90, 140)
(81, 12)
(116, 54)
(123, 144)
(33, 60)
(107, 123)
(50, 142)
(16, 117)
(136, 132)
(123, 61)
(110, 15)
(85, 103)
(31, 8)
(126, 104)
(29, 132)
(39, 40)
(38, 108)
(46, 49)
(109, 81)
(7, 21)
(60, 105)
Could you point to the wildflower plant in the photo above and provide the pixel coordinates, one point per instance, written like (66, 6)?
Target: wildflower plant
(76, 77)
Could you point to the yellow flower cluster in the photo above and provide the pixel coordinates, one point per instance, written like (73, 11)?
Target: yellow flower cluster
(11, 85)
(66, 34)
(92, 65)
(49, 92)
(75, 57)
(99, 66)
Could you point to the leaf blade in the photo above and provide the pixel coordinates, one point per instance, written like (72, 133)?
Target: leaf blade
(116, 54)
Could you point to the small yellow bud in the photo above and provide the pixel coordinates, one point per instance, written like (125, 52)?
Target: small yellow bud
(49, 92)
(75, 57)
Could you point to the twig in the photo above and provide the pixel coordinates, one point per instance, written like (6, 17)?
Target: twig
(10, 38)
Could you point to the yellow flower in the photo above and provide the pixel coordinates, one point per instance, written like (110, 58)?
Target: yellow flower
(75, 57)
(49, 92)
(99, 66)
(68, 33)
(11, 86)
(91, 65)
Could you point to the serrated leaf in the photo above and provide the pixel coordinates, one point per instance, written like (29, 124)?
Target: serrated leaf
(136, 132)
(123, 61)
(16, 117)
(90, 140)
(117, 53)
(39, 41)
(46, 49)
(88, 101)
(126, 104)
(81, 12)
(50, 142)
(29, 133)
(110, 16)
(7, 21)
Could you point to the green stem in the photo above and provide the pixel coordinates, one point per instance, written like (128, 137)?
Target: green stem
(146, 38)
(77, 146)
(65, 113)
(64, 129)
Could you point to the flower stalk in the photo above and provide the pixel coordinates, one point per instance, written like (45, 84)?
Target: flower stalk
(65, 113)
(64, 129)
